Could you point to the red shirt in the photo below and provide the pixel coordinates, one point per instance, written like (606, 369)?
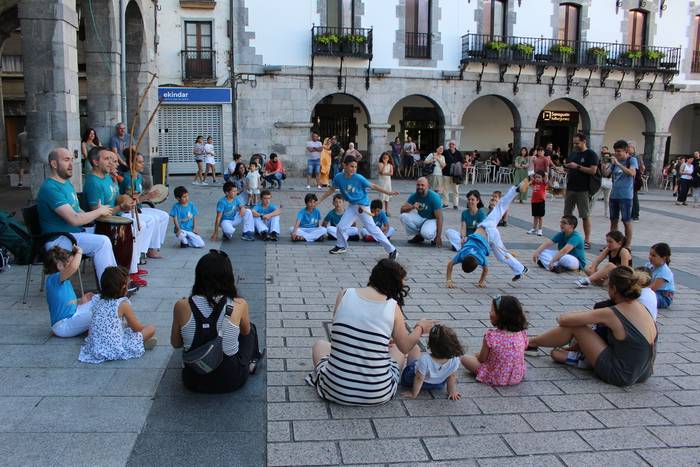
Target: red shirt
(271, 167)
(539, 192)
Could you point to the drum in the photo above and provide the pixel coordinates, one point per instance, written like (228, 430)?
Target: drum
(159, 193)
(118, 230)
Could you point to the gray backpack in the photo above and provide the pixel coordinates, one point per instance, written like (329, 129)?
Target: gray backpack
(207, 352)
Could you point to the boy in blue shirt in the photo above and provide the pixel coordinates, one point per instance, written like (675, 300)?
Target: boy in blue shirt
(487, 238)
(308, 224)
(569, 253)
(230, 212)
(267, 217)
(380, 220)
(184, 215)
(353, 187)
(332, 219)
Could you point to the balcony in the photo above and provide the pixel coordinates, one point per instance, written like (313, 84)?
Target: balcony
(341, 42)
(418, 45)
(198, 65)
(695, 66)
(578, 54)
(198, 4)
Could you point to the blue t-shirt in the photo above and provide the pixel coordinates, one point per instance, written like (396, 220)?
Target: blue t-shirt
(665, 273)
(623, 184)
(100, 190)
(472, 221)
(309, 220)
(260, 209)
(61, 298)
(476, 246)
(333, 218)
(229, 208)
(54, 194)
(380, 220)
(125, 184)
(353, 189)
(576, 240)
(427, 204)
(119, 143)
(185, 215)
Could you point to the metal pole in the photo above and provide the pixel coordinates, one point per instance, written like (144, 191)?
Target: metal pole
(122, 60)
(232, 79)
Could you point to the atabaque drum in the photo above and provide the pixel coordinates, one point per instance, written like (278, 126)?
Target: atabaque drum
(118, 230)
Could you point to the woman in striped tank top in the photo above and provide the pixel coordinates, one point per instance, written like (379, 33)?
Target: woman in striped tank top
(358, 366)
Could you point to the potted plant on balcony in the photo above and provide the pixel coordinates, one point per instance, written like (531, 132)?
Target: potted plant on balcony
(495, 49)
(523, 51)
(652, 58)
(561, 52)
(632, 57)
(327, 42)
(354, 43)
(597, 56)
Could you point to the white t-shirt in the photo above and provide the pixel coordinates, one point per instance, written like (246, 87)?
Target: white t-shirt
(231, 167)
(648, 299)
(434, 372)
(253, 180)
(314, 145)
(209, 149)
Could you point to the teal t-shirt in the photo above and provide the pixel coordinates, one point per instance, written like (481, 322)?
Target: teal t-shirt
(476, 246)
(61, 298)
(333, 218)
(380, 220)
(125, 184)
(576, 240)
(309, 220)
(260, 209)
(54, 194)
(472, 221)
(428, 203)
(229, 208)
(100, 190)
(353, 189)
(185, 215)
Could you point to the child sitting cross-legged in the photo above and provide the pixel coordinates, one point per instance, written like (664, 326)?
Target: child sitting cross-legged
(380, 220)
(432, 370)
(332, 219)
(308, 224)
(184, 215)
(617, 255)
(501, 361)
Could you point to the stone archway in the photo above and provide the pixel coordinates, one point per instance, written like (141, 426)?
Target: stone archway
(489, 122)
(635, 123)
(419, 117)
(558, 122)
(684, 132)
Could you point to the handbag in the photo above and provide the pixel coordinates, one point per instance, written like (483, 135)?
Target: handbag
(206, 357)
(457, 173)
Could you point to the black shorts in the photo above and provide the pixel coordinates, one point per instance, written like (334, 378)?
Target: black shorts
(538, 209)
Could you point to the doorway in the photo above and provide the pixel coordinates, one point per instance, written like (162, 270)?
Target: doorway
(336, 120)
(422, 125)
(557, 127)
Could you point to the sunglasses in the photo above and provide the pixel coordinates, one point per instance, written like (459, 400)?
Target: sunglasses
(218, 252)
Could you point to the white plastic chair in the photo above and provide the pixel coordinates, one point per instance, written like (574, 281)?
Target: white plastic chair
(505, 175)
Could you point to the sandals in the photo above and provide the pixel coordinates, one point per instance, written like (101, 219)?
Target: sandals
(253, 365)
(587, 245)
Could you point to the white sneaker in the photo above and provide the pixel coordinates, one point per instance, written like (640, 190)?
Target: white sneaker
(308, 187)
(539, 232)
(583, 282)
(204, 183)
(531, 232)
(195, 182)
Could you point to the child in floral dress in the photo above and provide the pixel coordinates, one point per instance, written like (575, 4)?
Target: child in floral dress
(501, 361)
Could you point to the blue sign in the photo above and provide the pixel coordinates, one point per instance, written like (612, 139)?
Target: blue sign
(195, 95)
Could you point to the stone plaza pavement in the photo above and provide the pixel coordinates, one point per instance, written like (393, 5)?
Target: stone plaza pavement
(55, 410)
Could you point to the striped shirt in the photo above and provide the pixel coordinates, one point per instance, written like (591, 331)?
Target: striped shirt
(359, 369)
(230, 330)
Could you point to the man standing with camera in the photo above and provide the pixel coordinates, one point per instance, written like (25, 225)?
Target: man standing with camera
(623, 168)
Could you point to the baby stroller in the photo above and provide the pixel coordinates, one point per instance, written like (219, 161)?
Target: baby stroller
(259, 158)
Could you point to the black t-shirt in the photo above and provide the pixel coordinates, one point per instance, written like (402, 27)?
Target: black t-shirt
(577, 180)
(451, 159)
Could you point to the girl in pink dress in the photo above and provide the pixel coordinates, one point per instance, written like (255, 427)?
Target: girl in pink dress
(501, 361)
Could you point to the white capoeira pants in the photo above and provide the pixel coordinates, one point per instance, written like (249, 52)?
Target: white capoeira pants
(415, 224)
(97, 246)
(310, 234)
(228, 226)
(270, 225)
(350, 231)
(190, 238)
(566, 261)
(350, 216)
(490, 225)
(161, 226)
(142, 237)
(76, 324)
(455, 239)
(389, 233)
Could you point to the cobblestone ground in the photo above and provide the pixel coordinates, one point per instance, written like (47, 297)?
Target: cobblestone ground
(55, 410)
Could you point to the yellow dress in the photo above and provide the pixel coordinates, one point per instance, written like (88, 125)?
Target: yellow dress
(325, 165)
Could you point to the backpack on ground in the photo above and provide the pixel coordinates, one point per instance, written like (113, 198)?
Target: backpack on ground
(14, 237)
(207, 351)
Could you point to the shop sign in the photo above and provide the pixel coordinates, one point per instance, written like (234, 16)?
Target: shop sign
(194, 95)
(557, 116)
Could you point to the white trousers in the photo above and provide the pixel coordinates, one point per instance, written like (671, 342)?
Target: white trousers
(415, 224)
(455, 239)
(228, 226)
(333, 231)
(389, 233)
(161, 230)
(490, 225)
(270, 225)
(97, 246)
(142, 237)
(350, 216)
(190, 238)
(76, 324)
(566, 261)
(310, 234)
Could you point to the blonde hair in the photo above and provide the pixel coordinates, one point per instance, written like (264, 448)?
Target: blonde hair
(627, 282)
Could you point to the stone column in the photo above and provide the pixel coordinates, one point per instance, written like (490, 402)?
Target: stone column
(523, 137)
(655, 152)
(4, 177)
(289, 142)
(595, 140)
(377, 144)
(453, 132)
(50, 59)
(102, 62)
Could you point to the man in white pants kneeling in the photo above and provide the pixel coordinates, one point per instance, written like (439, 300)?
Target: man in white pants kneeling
(422, 214)
(563, 252)
(267, 217)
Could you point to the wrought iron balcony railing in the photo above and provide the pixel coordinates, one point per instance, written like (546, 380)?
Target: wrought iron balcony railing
(341, 42)
(543, 51)
(695, 66)
(417, 45)
(198, 64)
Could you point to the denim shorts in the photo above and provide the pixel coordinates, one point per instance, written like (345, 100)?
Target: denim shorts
(409, 372)
(313, 166)
(621, 208)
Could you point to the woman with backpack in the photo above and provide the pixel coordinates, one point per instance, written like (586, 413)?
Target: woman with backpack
(212, 326)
